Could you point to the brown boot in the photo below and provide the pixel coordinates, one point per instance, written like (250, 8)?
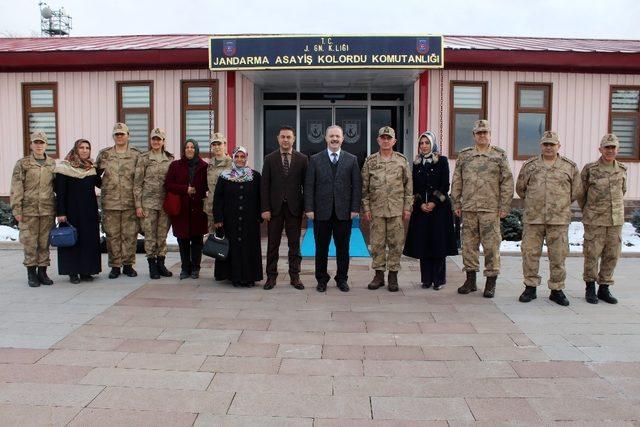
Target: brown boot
(490, 287)
(469, 285)
(393, 281)
(378, 281)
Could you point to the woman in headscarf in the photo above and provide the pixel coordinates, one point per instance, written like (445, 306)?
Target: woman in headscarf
(431, 237)
(236, 209)
(187, 178)
(76, 203)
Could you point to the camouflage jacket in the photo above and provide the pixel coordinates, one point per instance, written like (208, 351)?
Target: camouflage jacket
(213, 172)
(548, 191)
(117, 181)
(387, 186)
(148, 185)
(602, 202)
(482, 181)
(32, 192)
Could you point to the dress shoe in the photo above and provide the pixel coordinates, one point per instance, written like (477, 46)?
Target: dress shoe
(559, 297)
(86, 278)
(528, 294)
(377, 281)
(128, 270)
(114, 273)
(490, 287)
(437, 287)
(393, 281)
(605, 295)
(590, 292)
(343, 285)
(321, 287)
(469, 285)
(184, 274)
(425, 285)
(42, 276)
(236, 284)
(269, 284)
(195, 273)
(296, 283)
(74, 278)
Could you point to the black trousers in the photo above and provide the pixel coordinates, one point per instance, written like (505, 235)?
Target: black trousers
(433, 271)
(291, 225)
(341, 232)
(190, 253)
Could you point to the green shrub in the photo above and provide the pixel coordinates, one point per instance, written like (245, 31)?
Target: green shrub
(635, 220)
(6, 216)
(511, 226)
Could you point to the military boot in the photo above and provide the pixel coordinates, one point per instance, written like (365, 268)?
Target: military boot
(32, 277)
(605, 295)
(559, 297)
(590, 292)
(490, 287)
(153, 268)
(528, 294)
(162, 269)
(393, 281)
(378, 281)
(469, 285)
(128, 270)
(114, 273)
(42, 276)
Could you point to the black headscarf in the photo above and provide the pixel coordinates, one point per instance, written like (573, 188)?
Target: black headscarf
(192, 163)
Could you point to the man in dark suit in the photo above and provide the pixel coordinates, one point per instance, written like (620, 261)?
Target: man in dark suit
(332, 195)
(282, 204)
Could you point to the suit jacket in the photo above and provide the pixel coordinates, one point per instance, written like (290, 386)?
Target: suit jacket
(275, 186)
(323, 191)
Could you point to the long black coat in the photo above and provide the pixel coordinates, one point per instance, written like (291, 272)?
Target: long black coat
(76, 199)
(431, 235)
(237, 206)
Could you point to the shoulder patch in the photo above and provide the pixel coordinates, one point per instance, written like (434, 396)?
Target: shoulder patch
(401, 155)
(591, 165)
(370, 157)
(622, 165)
(135, 149)
(466, 149)
(498, 149)
(529, 161)
(571, 162)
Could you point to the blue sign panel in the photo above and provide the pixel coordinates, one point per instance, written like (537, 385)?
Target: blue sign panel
(227, 53)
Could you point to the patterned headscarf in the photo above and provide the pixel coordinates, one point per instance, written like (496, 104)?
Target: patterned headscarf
(433, 156)
(73, 157)
(238, 174)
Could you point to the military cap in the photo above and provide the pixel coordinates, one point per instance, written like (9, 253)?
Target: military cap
(549, 137)
(120, 128)
(609, 140)
(481, 126)
(39, 136)
(218, 137)
(387, 130)
(158, 133)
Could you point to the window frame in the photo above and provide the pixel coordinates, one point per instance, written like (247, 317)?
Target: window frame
(484, 113)
(636, 115)
(26, 109)
(121, 110)
(517, 110)
(214, 84)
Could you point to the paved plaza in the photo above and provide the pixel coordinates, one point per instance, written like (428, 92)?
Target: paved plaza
(195, 352)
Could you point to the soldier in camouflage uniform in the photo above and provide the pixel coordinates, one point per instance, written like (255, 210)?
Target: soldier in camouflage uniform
(117, 166)
(481, 191)
(219, 162)
(387, 199)
(548, 184)
(34, 207)
(604, 184)
(148, 193)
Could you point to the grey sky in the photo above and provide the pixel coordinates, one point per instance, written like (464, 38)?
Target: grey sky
(547, 18)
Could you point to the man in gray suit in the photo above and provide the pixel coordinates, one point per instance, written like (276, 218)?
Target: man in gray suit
(332, 195)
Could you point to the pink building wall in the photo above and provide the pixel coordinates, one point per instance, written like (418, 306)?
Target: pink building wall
(579, 112)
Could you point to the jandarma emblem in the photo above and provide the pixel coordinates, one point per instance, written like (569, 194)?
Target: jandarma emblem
(315, 129)
(422, 46)
(229, 47)
(351, 131)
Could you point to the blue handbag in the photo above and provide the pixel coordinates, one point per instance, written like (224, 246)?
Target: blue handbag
(64, 235)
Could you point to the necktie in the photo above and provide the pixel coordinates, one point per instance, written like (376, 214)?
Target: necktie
(334, 158)
(285, 164)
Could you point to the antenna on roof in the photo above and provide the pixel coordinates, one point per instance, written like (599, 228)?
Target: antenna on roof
(54, 22)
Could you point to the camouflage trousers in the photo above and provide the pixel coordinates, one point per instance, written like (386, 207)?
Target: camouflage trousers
(155, 227)
(481, 228)
(557, 239)
(601, 243)
(121, 228)
(387, 240)
(34, 236)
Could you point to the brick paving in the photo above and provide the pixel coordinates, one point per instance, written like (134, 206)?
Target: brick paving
(196, 352)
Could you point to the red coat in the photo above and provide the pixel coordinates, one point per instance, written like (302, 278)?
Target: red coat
(191, 221)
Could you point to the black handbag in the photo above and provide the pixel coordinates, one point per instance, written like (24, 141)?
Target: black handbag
(216, 247)
(64, 235)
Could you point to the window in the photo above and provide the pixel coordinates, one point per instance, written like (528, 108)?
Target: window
(624, 119)
(135, 108)
(199, 111)
(532, 118)
(40, 112)
(469, 103)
